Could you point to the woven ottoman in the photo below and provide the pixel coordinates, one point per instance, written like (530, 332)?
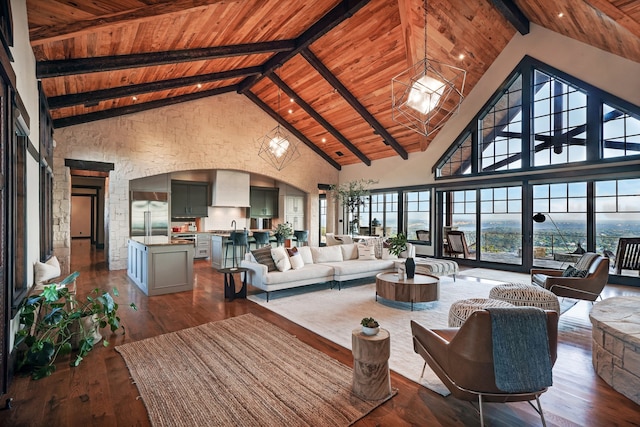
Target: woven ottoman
(462, 309)
(522, 294)
(436, 267)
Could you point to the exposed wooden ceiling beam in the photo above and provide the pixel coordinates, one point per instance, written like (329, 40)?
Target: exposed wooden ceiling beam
(348, 96)
(122, 91)
(41, 35)
(115, 112)
(67, 67)
(344, 10)
(256, 100)
(513, 14)
(321, 120)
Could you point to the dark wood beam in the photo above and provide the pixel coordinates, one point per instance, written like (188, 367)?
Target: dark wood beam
(256, 100)
(123, 91)
(355, 104)
(130, 109)
(344, 10)
(89, 165)
(67, 67)
(321, 120)
(513, 14)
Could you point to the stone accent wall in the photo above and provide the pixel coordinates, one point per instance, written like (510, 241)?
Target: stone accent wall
(219, 132)
(616, 344)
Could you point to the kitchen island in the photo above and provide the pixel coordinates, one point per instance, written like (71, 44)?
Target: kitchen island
(160, 265)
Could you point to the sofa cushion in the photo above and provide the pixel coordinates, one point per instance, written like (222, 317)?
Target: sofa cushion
(295, 258)
(356, 266)
(349, 251)
(281, 258)
(326, 254)
(309, 271)
(263, 256)
(45, 271)
(388, 255)
(305, 252)
(366, 252)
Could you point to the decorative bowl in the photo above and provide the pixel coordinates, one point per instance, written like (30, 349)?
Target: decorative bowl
(370, 331)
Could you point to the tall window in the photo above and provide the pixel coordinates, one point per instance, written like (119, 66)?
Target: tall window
(463, 215)
(617, 206)
(417, 212)
(384, 209)
(323, 219)
(501, 224)
(459, 162)
(620, 132)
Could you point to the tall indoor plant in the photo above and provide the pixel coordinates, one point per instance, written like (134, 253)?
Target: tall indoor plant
(398, 244)
(351, 195)
(55, 323)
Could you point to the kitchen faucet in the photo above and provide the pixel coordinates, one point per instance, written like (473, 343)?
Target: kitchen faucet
(233, 224)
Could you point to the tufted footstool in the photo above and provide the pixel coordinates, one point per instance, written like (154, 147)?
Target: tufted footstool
(461, 310)
(521, 294)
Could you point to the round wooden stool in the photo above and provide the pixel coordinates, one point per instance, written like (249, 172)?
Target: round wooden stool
(371, 353)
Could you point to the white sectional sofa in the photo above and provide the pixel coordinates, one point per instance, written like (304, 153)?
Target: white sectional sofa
(332, 264)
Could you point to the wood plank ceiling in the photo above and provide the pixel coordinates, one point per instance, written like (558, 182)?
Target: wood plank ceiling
(331, 61)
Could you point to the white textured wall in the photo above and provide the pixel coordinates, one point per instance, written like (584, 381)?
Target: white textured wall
(220, 132)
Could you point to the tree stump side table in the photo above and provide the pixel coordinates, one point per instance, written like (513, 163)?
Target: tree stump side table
(371, 380)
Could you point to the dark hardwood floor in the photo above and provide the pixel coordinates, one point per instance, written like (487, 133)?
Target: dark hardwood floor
(99, 392)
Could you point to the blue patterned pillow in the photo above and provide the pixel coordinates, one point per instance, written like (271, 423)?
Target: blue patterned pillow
(571, 271)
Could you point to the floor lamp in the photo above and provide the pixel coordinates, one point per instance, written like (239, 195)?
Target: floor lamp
(540, 218)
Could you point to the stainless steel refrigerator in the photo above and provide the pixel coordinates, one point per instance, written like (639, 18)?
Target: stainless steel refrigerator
(149, 214)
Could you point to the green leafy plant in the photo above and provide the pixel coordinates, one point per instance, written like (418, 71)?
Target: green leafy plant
(397, 244)
(351, 194)
(53, 321)
(283, 231)
(369, 322)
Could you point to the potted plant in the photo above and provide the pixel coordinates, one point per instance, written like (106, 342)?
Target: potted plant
(398, 244)
(370, 326)
(283, 231)
(55, 323)
(351, 195)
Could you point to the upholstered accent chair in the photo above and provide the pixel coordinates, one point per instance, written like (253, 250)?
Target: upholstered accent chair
(457, 244)
(628, 254)
(583, 281)
(463, 358)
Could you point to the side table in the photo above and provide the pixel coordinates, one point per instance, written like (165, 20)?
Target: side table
(371, 353)
(230, 283)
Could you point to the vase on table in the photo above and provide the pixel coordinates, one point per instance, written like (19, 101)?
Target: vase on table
(410, 268)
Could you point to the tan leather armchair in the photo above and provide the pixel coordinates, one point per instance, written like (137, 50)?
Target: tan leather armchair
(463, 359)
(584, 288)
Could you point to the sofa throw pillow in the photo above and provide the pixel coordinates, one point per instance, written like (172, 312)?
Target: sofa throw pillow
(263, 256)
(295, 258)
(366, 252)
(349, 251)
(281, 258)
(45, 271)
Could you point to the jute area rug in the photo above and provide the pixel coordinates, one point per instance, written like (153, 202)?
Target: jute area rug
(241, 371)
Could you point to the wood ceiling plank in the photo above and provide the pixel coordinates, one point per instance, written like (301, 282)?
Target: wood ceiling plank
(63, 31)
(626, 13)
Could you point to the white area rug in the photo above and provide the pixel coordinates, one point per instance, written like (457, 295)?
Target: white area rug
(497, 275)
(333, 314)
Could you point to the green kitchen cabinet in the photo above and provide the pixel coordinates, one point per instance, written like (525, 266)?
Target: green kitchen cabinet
(189, 199)
(264, 202)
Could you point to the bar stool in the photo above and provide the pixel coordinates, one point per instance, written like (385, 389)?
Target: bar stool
(261, 237)
(302, 237)
(237, 239)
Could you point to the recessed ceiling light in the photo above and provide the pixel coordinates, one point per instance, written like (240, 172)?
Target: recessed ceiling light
(461, 56)
(290, 99)
(199, 85)
(290, 111)
(135, 98)
(324, 140)
(560, 15)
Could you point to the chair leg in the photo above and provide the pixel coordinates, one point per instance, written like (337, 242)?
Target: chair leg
(539, 410)
(423, 368)
(481, 412)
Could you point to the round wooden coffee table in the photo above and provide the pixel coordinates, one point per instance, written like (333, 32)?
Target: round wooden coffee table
(422, 288)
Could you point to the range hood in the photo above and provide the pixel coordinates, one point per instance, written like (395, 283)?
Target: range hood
(231, 189)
